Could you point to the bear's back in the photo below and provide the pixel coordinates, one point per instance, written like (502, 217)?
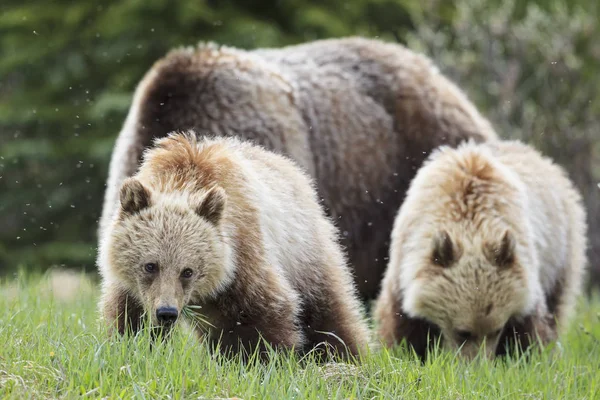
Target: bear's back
(555, 207)
(291, 217)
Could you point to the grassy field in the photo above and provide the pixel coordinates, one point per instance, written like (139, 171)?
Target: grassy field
(53, 347)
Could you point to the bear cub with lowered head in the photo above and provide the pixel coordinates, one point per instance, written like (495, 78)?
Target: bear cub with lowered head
(488, 247)
(237, 231)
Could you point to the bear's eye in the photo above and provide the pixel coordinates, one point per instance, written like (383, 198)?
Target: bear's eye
(464, 336)
(151, 268)
(187, 273)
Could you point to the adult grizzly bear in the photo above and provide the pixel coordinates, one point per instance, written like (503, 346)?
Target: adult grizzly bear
(237, 231)
(489, 245)
(359, 115)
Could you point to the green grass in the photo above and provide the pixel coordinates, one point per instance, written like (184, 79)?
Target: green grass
(52, 346)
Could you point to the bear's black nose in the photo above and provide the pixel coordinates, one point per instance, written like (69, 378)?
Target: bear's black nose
(167, 315)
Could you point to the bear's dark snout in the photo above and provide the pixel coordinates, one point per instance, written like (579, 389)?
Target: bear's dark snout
(167, 315)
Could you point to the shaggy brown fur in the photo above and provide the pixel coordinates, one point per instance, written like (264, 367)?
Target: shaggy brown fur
(235, 230)
(489, 246)
(358, 115)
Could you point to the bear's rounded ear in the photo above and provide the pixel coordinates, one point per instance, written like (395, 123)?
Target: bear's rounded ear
(502, 253)
(443, 249)
(211, 206)
(134, 196)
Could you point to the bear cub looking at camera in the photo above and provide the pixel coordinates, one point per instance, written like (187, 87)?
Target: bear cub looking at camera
(237, 231)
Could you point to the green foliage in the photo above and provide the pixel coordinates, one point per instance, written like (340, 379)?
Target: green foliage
(54, 347)
(68, 71)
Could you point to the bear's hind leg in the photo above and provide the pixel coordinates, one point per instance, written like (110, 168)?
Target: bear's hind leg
(333, 316)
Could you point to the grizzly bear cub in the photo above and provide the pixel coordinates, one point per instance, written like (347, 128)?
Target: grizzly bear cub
(488, 248)
(235, 232)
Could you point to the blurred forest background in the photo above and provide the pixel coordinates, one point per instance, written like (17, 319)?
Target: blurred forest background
(68, 71)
